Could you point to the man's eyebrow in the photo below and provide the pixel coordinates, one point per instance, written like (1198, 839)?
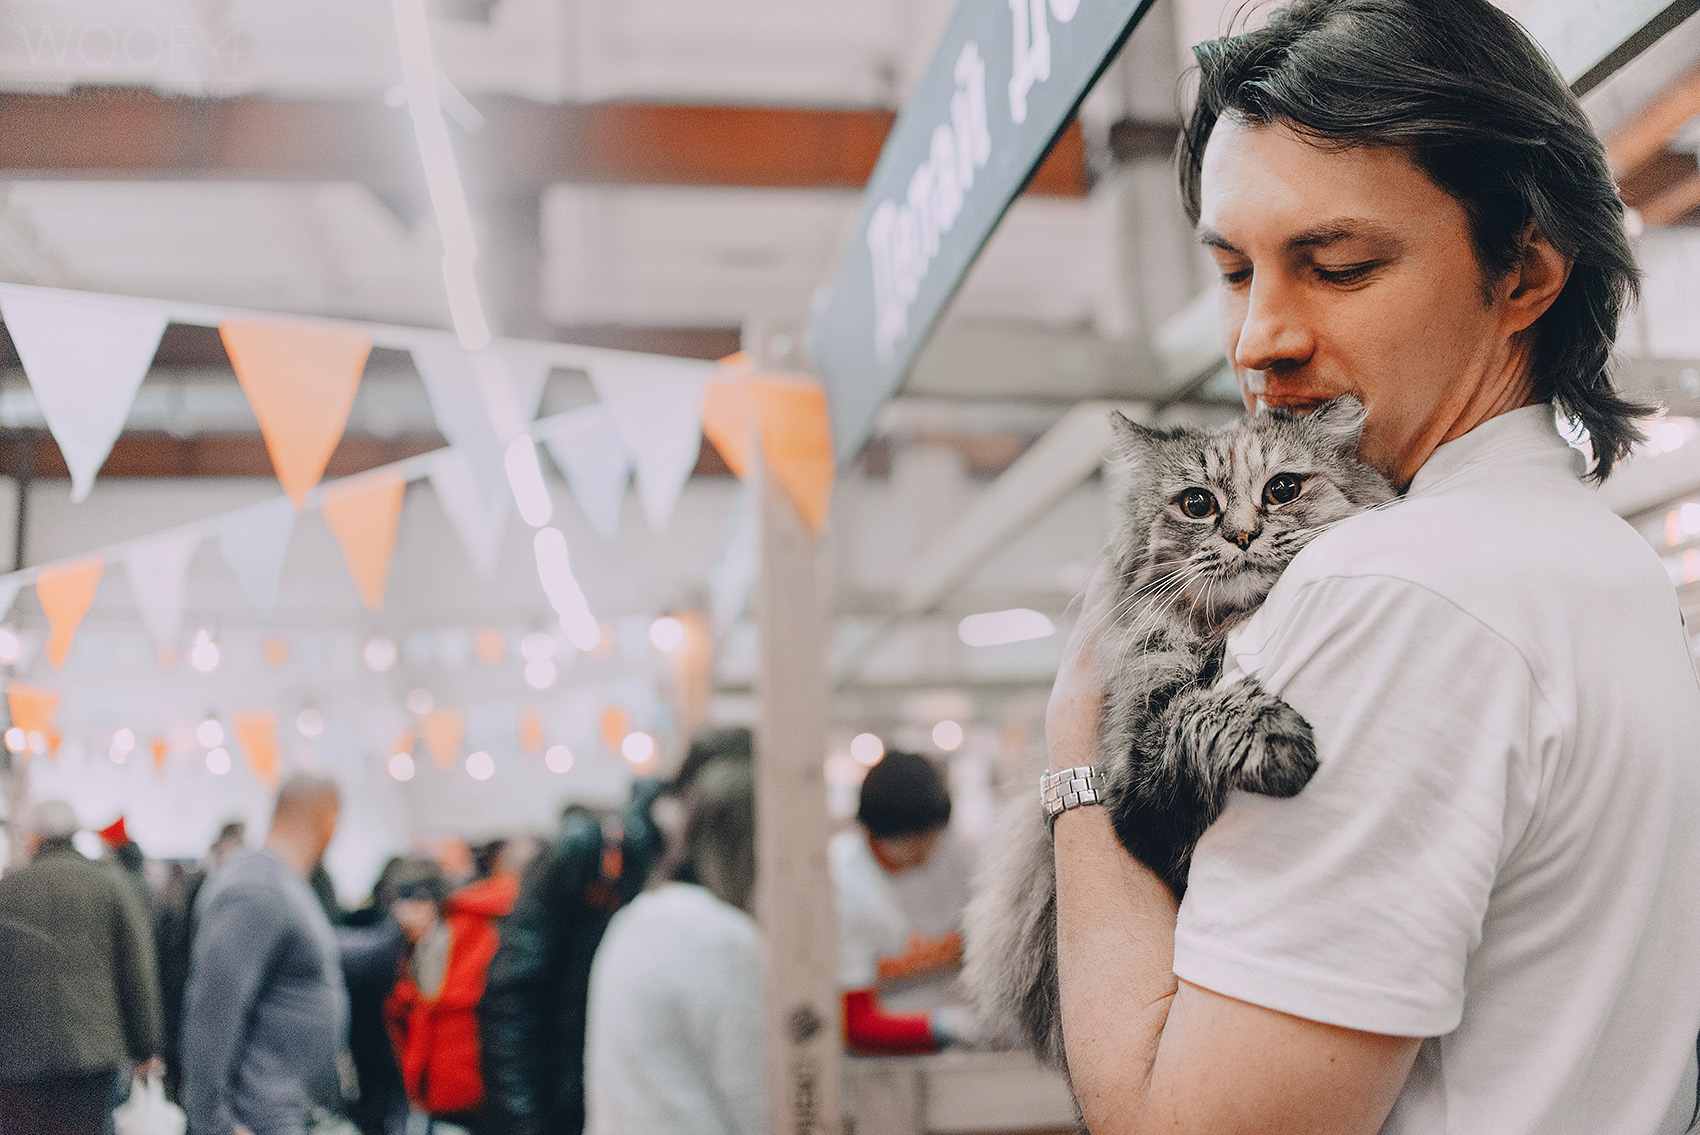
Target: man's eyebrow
(1345, 228)
(1210, 238)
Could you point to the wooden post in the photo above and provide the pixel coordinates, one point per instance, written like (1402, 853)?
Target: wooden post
(794, 893)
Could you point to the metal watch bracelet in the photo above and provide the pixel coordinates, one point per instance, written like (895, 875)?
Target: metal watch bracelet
(1069, 788)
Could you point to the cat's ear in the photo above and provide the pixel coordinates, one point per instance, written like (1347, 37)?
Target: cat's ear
(1133, 442)
(1341, 423)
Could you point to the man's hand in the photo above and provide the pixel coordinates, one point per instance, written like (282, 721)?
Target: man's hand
(1077, 698)
(153, 1068)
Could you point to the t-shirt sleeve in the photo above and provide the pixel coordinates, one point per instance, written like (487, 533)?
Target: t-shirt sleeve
(1359, 901)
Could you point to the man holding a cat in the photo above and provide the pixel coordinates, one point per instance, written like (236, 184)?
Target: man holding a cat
(1476, 917)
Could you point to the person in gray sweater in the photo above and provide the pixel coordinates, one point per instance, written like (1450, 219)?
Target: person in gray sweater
(79, 997)
(266, 1013)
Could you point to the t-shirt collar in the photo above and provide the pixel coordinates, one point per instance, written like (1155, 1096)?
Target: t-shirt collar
(1526, 435)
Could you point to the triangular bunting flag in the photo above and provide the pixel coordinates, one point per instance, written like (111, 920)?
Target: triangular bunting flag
(586, 446)
(480, 401)
(731, 421)
(158, 571)
(796, 441)
(531, 729)
(84, 356)
(478, 521)
(442, 730)
(66, 592)
(300, 379)
(256, 733)
(159, 749)
(657, 405)
(32, 707)
(364, 514)
(253, 542)
(9, 587)
(528, 373)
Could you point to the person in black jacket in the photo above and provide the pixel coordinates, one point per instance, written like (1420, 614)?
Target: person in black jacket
(531, 1017)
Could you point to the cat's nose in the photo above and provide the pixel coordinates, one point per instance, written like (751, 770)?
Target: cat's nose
(1243, 539)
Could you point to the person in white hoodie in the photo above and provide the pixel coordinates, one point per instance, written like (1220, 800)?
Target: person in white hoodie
(674, 1041)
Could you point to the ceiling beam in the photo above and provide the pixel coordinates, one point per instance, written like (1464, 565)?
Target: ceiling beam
(523, 147)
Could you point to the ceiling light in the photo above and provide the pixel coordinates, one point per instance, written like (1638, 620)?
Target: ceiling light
(538, 646)
(401, 766)
(867, 749)
(218, 761)
(203, 656)
(540, 674)
(11, 647)
(638, 748)
(480, 765)
(420, 702)
(381, 653)
(947, 735)
(210, 733)
(559, 758)
(667, 634)
(310, 723)
(525, 479)
(995, 628)
(16, 740)
(124, 739)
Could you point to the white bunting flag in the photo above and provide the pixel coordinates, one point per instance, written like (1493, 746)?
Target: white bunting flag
(586, 445)
(85, 356)
(734, 575)
(657, 404)
(159, 571)
(479, 521)
(254, 542)
(471, 396)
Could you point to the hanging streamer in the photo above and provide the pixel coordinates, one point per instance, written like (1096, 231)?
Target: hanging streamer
(364, 514)
(158, 572)
(586, 446)
(300, 379)
(66, 592)
(256, 735)
(657, 407)
(254, 542)
(479, 521)
(85, 356)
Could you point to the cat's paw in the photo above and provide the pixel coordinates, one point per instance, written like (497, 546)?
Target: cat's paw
(1277, 753)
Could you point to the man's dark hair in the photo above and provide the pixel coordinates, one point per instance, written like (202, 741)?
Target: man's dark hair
(1463, 89)
(733, 743)
(903, 795)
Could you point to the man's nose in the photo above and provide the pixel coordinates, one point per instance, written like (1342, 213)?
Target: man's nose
(1274, 334)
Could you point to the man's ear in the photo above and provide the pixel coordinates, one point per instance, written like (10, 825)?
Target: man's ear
(1341, 423)
(1535, 281)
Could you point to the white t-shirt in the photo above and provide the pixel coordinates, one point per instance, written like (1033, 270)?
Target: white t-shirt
(674, 1040)
(871, 922)
(1501, 849)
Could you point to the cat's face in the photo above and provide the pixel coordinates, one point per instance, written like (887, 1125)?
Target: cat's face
(1216, 516)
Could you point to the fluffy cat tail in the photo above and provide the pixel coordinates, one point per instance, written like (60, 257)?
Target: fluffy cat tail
(1010, 952)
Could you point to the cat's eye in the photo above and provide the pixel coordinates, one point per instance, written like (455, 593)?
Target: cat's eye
(1197, 503)
(1282, 488)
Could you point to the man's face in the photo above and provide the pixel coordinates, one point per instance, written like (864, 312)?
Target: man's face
(1350, 272)
(907, 852)
(324, 823)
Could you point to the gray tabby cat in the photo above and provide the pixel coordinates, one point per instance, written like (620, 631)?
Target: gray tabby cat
(1208, 522)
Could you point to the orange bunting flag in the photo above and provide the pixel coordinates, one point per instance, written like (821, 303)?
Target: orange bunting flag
(256, 733)
(614, 723)
(300, 379)
(32, 707)
(67, 592)
(442, 730)
(364, 514)
(159, 750)
(531, 730)
(788, 415)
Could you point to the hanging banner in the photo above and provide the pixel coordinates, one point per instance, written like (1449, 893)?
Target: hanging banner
(478, 520)
(1001, 86)
(256, 735)
(657, 407)
(254, 542)
(300, 379)
(66, 593)
(32, 707)
(364, 515)
(159, 572)
(84, 356)
(587, 448)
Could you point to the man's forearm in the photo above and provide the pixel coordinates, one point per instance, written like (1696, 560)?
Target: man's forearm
(1116, 949)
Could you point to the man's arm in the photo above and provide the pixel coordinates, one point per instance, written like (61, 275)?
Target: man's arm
(137, 974)
(1147, 1052)
(238, 937)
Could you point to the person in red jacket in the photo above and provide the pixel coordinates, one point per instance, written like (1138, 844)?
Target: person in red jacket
(433, 1011)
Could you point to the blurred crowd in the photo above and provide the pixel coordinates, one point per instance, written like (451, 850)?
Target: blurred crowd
(607, 979)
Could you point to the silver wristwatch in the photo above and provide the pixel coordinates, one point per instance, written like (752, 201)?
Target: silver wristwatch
(1069, 788)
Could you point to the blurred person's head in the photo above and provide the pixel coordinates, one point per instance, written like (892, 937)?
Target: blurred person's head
(485, 857)
(304, 820)
(734, 743)
(904, 806)
(516, 855)
(412, 893)
(51, 823)
(718, 848)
